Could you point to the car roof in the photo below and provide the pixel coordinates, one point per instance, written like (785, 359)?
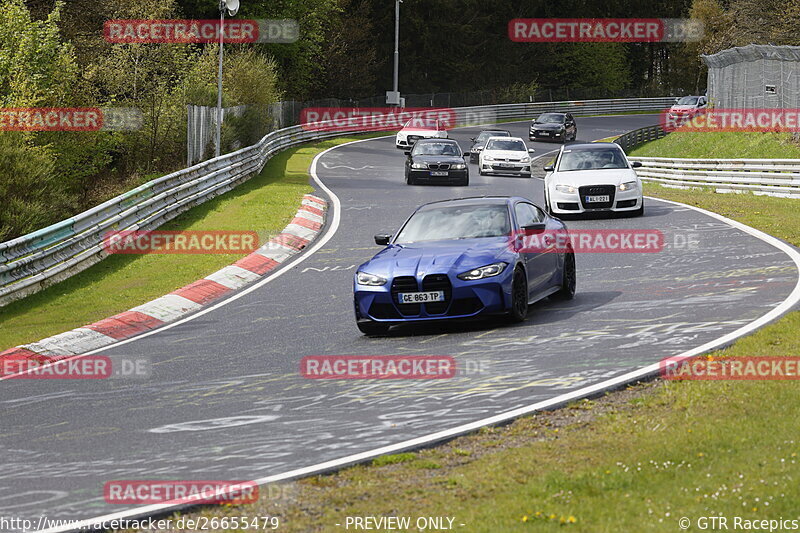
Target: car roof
(475, 200)
(436, 140)
(590, 146)
(553, 113)
(496, 131)
(505, 139)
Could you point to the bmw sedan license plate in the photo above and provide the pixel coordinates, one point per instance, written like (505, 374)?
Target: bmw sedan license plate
(420, 297)
(603, 198)
(438, 173)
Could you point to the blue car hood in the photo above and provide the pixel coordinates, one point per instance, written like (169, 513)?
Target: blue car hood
(439, 257)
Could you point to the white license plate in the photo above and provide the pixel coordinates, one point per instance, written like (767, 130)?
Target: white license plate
(603, 198)
(420, 297)
(505, 165)
(544, 133)
(438, 173)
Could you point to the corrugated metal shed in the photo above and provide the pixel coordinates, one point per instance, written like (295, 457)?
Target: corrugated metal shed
(755, 76)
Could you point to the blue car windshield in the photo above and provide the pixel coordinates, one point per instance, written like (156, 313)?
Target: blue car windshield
(456, 222)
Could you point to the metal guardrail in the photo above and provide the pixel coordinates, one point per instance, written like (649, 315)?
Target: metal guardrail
(634, 138)
(44, 257)
(771, 177)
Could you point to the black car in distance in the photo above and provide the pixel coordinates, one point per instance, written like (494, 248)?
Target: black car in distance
(436, 161)
(479, 142)
(559, 127)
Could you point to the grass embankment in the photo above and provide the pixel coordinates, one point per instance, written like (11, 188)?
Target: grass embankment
(265, 204)
(722, 145)
(635, 460)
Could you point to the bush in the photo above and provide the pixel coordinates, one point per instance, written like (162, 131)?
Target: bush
(32, 196)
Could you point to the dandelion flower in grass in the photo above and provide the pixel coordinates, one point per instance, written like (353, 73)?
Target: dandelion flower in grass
(525, 518)
(571, 519)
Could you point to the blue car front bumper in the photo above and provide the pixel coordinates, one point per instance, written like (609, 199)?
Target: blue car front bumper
(463, 299)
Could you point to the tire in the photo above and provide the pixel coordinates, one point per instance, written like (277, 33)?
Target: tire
(410, 180)
(568, 279)
(481, 172)
(519, 298)
(465, 182)
(368, 327)
(639, 212)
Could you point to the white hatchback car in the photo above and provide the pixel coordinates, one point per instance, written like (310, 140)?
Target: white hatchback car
(590, 177)
(505, 155)
(419, 128)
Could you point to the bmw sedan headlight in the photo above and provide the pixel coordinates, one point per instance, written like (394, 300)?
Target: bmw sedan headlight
(458, 166)
(569, 189)
(628, 186)
(487, 271)
(419, 165)
(370, 279)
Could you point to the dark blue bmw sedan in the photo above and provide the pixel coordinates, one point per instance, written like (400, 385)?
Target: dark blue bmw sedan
(464, 258)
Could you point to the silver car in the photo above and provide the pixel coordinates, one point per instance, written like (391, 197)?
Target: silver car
(505, 155)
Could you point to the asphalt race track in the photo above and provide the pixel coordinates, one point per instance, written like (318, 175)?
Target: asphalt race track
(225, 399)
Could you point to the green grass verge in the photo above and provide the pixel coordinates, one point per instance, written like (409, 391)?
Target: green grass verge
(722, 145)
(265, 204)
(634, 460)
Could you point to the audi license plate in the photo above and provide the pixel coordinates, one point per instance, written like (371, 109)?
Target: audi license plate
(438, 173)
(420, 297)
(603, 198)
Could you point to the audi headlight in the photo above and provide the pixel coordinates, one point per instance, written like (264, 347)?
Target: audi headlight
(569, 189)
(370, 279)
(458, 166)
(487, 271)
(628, 186)
(418, 165)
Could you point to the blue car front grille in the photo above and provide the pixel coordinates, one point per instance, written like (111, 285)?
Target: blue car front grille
(438, 282)
(405, 284)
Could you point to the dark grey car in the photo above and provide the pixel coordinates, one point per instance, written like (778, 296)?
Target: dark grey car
(436, 161)
(559, 127)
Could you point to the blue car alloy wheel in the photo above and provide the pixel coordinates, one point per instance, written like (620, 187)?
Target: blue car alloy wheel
(459, 259)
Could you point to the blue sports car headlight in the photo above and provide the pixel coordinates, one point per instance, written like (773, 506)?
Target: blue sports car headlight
(370, 279)
(487, 271)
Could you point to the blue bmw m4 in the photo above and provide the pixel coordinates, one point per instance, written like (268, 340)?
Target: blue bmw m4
(464, 258)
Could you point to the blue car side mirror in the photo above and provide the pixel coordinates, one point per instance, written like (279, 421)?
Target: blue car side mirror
(382, 239)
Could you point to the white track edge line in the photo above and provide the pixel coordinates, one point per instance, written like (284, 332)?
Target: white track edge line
(649, 370)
